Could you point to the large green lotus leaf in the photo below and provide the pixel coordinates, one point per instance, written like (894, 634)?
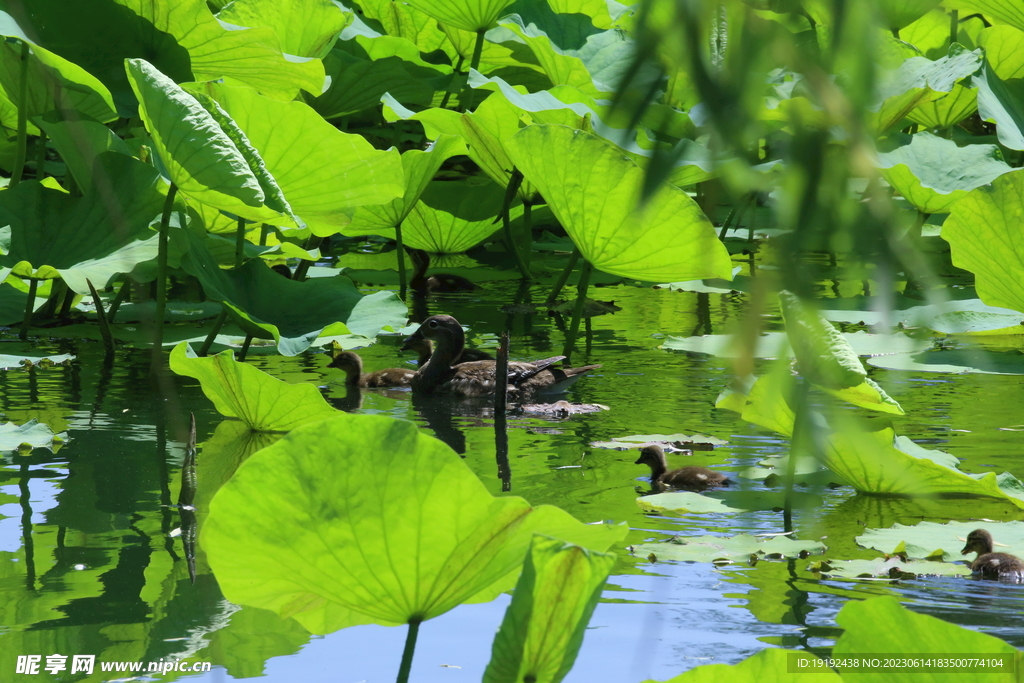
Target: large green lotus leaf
(947, 111)
(200, 158)
(182, 39)
(50, 76)
(469, 15)
(1003, 102)
(920, 80)
(882, 568)
(593, 191)
(358, 83)
(683, 502)
(32, 434)
(551, 606)
(929, 34)
(767, 666)
(292, 313)
(1004, 50)
(263, 403)
(982, 231)
(402, 21)
(823, 355)
(419, 167)
(316, 517)
(960, 316)
(306, 28)
(322, 171)
(944, 542)
(53, 234)
(13, 302)
(899, 13)
(453, 216)
(1001, 11)
(933, 173)
(79, 142)
(741, 547)
(955, 361)
(882, 624)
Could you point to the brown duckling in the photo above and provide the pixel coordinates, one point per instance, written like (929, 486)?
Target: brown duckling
(439, 282)
(441, 375)
(990, 565)
(424, 348)
(692, 478)
(352, 365)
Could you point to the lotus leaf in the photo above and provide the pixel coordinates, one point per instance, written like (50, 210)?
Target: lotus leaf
(933, 173)
(53, 234)
(551, 606)
(982, 234)
(767, 666)
(737, 500)
(13, 302)
(49, 76)
(322, 171)
(402, 21)
(931, 540)
(1003, 102)
(929, 34)
(453, 216)
(961, 316)
(419, 168)
(683, 502)
(200, 158)
(636, 441)
(882, 568)
(955, 361)
(947, 111)
(740, 548)
(1002, 11)
(79, 143)
(261, 402)
(363, 517)
(306, 28)
(468, 15)
(882, 624)
(292, 313)
(32, 434)
(899, 13)
(920, 80)
(593, 191)
(1004, 50)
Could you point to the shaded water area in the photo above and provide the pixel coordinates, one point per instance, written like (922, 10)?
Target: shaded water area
(91, 563)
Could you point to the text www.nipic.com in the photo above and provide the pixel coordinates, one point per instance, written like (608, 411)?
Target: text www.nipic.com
(33, 664)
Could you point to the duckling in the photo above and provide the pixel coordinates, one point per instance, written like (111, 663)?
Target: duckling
(424, 348)
(692, 478)
(440, 282)
(990, 565)
(352, 365)
(441, 375)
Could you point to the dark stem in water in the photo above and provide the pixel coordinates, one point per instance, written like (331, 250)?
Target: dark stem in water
(161, 278)
(217, 324)
(410, 648)
(500, 419)
(30, 307)
(403, 278)
(510, 195)
(577, 311)
(108, 338)
(119, 298)
(557, 289)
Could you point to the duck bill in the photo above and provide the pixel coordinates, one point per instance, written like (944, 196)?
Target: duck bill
(966, 550)
(414, 338)
(639, 461)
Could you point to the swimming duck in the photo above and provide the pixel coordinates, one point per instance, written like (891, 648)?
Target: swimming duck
(440, 282)
(352, 365)
(692, 478)
(990, 565)
(441, 375)
(424, 348)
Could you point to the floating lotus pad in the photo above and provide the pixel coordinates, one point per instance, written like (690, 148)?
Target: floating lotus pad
(670, 442)
(770, 344)
(955, 361)
(32, 434)
(729, 548)
(882, 568)
(932, 540)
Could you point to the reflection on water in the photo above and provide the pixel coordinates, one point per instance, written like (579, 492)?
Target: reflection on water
(92, 561)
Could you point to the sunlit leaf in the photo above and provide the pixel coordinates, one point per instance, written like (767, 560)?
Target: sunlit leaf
(307, 28)
(737, 548)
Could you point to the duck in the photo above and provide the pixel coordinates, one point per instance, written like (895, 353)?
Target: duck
(443, 374)
(439, 282)
(692, 478)
(424, 348)
(990, 565)
(352, 365)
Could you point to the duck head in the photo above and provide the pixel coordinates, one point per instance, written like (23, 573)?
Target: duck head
(444, 330)
(348, 361)
(979, 541)
(651, 455)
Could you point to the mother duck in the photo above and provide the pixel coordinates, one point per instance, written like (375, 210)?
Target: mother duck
(477, 378)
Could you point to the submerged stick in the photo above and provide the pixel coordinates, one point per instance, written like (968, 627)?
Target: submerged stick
(500, 417)
(577, 311)
(108, 338)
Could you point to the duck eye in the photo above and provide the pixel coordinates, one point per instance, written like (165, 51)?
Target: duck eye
(432, 323)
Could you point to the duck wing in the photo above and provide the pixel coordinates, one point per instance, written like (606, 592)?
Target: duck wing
(556, 380)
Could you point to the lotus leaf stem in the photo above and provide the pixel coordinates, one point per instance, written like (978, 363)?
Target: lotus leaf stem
(410, 647)
(557, 289)
(119, 298)
(577, 311)
(108, 338)
(312, 243)
(474, 63)
(400, 248)
(161, 277)
(455, 75)
(29, 308)
(954, 26)
(22, 140)
(217, 324)
(240, 242)
(41, 155)
(245, 348)
(500, 418)
(527, 233)
(510, 194)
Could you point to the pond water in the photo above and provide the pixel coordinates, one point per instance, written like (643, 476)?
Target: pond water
(90, 564)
